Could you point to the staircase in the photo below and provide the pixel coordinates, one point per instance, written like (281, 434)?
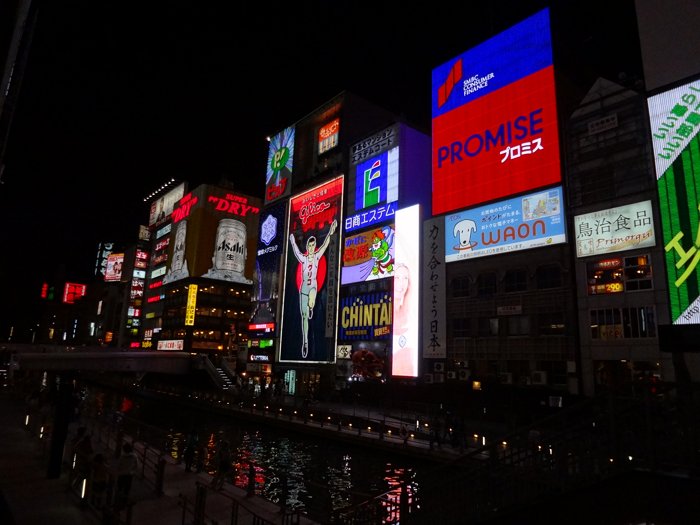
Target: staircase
(224, 381)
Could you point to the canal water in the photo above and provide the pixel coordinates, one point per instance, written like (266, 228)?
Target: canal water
(321, 476)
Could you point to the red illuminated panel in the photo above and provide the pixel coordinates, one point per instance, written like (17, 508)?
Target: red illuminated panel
(500, 144)
(72, 292)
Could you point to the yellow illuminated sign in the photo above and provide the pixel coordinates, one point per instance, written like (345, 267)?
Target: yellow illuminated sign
(191, 305)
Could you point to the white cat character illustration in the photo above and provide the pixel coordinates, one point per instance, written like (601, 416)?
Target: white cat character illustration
(463, 231)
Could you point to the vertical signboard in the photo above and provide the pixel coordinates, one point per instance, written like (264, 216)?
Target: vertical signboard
(494, 119)
(404, 358)
(271, 245)
(434, 289)
(311, 274)
(675, 121)
(191, 305)
(280, 160)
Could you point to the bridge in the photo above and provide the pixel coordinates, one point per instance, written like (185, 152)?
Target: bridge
(57, 358)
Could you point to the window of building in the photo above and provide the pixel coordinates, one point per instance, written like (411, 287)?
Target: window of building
(515, 280)
(619, 274)
(488, 326)
(460, 286)
(518, 325)
(551, 323)
(486, 284)
(548, 276)
(461, 327)
(623, 323)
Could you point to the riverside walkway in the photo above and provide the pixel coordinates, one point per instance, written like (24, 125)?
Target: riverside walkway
(29, 497)
(165, 492)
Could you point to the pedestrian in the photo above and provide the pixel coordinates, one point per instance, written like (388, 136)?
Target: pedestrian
(223, 465)
(404, 433)
(99, 479)
(127, 467)
(191, 442)
(201, 456)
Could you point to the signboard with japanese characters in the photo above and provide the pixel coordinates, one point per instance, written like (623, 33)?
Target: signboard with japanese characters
(528, 221)
(434, 290)
(674, 117)
(615, 229)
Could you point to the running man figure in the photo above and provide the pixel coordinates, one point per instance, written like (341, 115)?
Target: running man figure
(309, 283)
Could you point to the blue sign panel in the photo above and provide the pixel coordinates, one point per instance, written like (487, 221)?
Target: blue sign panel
(370, 216)
(520, 223)
(509, 56)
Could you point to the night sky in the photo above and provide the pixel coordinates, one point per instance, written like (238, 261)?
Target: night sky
(117, 98)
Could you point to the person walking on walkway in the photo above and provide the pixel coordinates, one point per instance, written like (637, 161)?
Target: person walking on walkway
(223, 465)
(191, 442)
(127, 467)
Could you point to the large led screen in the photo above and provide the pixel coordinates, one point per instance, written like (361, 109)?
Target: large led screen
(280, 160)
(529, 221)
(311, 274)
(675, 120)
(494, 119)
(614, 229)
(404, 351)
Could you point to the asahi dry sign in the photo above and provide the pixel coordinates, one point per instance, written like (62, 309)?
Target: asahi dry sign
(213, 236)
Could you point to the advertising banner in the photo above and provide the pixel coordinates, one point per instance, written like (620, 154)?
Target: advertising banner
(615, 229)
(365, 317)
(368, 256)
(280, 161)
(520, 223)
(271, 245)
(113, 270)
(311, 274)
(675, 121)
(213, 234)
(162, 207)
(377, 180)
(494, 119)
(407, 286)
(434, 289)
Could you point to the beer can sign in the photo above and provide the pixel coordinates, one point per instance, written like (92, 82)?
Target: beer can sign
(230, 247)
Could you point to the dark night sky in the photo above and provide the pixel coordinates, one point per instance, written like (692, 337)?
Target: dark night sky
(117, 98)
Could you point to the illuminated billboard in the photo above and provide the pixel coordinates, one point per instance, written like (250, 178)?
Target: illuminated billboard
(328, 136)
(406, 295)
(614, 229)
(280, 160)
(72, 292)
(494, 119)
(529, 221)
(271, 245)
(113, 270)
(162, 207)
(365, 317)
(368, 256)
(674, 116)
(311, 280)
(213, 236)
(377, 180)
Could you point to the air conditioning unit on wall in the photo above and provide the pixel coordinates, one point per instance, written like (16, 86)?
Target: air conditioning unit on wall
(438, 367)
(539, 377)
(451, 374)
